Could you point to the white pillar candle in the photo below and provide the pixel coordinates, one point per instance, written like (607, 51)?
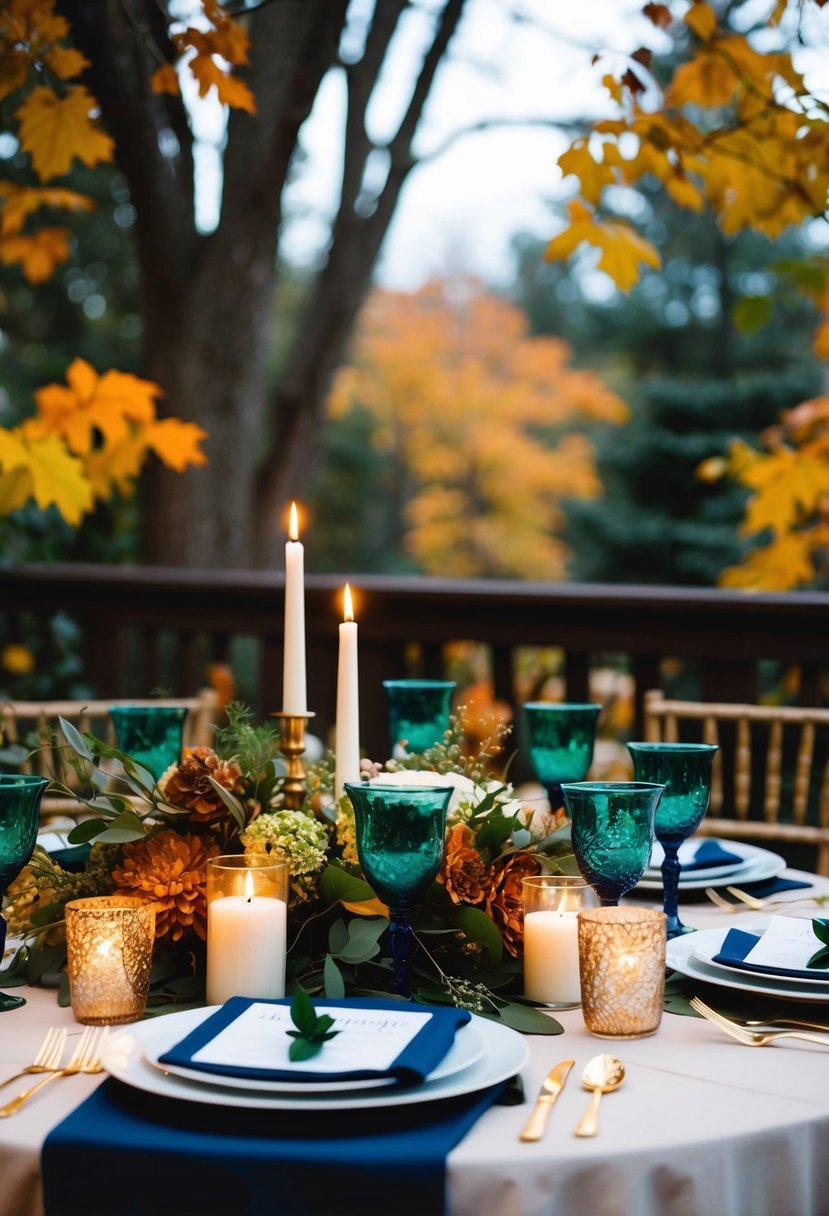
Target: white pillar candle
(245, 947)
(294, 695)
(551, 957)
(347, 737)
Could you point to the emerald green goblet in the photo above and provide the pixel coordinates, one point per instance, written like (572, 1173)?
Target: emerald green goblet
(685, 771)
(20, 795)
(418, 712)
(612, 832)
(151, 734)
(400, 840)
(561, 738)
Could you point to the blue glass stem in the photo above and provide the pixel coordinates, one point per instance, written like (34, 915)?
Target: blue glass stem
(400, 933)
(670, 888)
(7, 1002)
(554, 795)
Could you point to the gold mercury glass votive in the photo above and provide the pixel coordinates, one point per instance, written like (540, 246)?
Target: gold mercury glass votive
(622, 967)
(109, 948)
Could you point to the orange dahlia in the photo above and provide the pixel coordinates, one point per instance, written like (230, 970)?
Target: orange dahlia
(169, 870)
(504, 902)
(464, 873)
(188, 784)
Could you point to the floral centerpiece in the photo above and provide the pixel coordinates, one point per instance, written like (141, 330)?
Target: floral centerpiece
(152, 838)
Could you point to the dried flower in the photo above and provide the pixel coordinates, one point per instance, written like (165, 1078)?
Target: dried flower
(464, 873)
(169, 870)
(188, 784)
(504, 902)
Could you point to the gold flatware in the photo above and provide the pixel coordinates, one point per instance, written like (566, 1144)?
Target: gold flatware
(85, 1058)
(743, 900)
(785, 1022)
(602, 1074)
(48, 1055)
(551, 1087)
(751, 1038)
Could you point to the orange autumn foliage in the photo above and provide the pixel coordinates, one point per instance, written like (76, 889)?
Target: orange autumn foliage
(487, 420)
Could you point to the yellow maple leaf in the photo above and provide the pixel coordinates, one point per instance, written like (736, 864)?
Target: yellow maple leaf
(623, 250)
(779, 566)
(165, 80)
(706, 80)
(91, 403)
(65, 61)
(593, 175)
(54, 131)
(230, 90)
(176, 443)
(37, 254)
(55, 477)
(702, 19)
(19, 202)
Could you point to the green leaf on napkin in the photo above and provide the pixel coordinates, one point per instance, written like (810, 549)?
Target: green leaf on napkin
(821, 957)
(312, 1032)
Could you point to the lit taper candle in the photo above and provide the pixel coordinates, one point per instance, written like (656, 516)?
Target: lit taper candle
(294, 696)
(347, 744)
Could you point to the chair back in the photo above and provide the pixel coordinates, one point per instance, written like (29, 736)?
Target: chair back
(20, 721)
(771, 775)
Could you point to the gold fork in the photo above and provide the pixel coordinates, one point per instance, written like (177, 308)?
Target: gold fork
(744, 900)
(751, 1038)
(85, 1058)
(48, 1055)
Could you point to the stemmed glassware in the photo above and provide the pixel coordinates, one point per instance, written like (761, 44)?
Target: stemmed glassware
(612, 832)
(400, 840)
(20, 795)
(685, 771)
(561, 737)
(418, 712)
(151, 734)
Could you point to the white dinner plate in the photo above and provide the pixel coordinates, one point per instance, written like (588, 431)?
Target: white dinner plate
(682, 957)
(466, 1050)
(505, 1054)
(688, 851)
(757, 864)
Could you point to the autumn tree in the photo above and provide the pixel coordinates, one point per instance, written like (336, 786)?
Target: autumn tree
(735, 129)
(483, 428)
(109, 84)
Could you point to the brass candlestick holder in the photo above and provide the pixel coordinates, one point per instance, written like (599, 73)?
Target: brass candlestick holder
(292, 745)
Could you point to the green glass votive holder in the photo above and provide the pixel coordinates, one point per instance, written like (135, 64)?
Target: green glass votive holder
(418, 712)
(151, 734)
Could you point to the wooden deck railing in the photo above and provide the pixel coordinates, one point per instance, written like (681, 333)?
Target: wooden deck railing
(144, 627)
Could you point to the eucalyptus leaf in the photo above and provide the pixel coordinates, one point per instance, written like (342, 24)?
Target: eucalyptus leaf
(75, 739)
(478, 928)
(233, 805)
(338, 936)
(334, 982)
(528, 1020)
(337, 884)
(87, 830)
(64, 993)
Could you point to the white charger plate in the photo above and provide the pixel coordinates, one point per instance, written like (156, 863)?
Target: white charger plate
(505, 1054)
(687, 852)
(682, 956)
(705, 952)
(756, 865)
(466, 1050)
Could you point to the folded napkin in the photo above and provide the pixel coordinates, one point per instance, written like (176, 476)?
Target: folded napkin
(707, 855)
(767, 887)
(377, 1038)
(123, 1152)
(738, 944)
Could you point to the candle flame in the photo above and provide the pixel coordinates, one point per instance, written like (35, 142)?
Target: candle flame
(249, 888)
(293, 527)
(348, 607)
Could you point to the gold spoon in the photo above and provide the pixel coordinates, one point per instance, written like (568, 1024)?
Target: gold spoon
(602, 1074)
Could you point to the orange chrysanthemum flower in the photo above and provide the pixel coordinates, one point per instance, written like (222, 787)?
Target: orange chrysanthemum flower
(464, 873)
(188, 784)
(169, 870)
(504, 903)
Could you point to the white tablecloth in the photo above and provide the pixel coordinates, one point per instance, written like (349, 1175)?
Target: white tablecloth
(701, 1127)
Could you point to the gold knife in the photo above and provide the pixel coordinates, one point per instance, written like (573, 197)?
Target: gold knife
(551, 1087)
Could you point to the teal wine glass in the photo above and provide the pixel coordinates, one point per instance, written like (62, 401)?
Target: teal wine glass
(151, 734)
(561, 738)
(400, 841)
(685, 771)
(20, 795)
(612, 832)
(418, 712)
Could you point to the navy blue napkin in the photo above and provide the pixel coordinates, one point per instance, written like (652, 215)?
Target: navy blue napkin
(123, 1152)
(772, 886)
(738, 943)
(412, 1066)
(710, 853)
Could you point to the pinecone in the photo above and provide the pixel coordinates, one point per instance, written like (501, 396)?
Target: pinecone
(188, 784)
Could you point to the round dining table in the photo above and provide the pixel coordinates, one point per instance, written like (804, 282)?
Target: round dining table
(701, 1126)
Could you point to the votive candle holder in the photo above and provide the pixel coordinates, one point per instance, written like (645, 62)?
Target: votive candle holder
(622, 969)
(247, 906)
(109, 948)
(551, 905)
